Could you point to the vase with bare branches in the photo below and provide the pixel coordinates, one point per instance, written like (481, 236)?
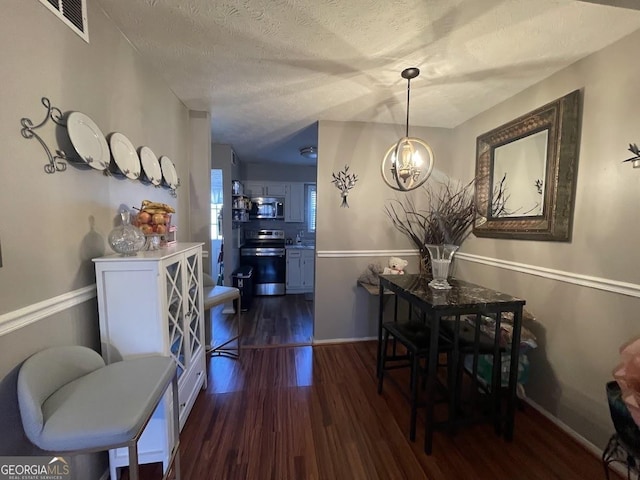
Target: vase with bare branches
(442, 214)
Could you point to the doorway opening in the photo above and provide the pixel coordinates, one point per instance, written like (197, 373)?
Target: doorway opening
(217, 264)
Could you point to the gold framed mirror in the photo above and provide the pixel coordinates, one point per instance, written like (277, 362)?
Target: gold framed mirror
(526, 173)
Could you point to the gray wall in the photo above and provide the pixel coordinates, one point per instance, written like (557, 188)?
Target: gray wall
(52, 225)
(200, 182)
(579, 328)
(348, 239)
(222, 158)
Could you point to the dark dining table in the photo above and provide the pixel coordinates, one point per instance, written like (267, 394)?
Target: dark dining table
(463, 301)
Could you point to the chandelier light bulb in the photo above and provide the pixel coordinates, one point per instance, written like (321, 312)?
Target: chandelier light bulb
(406, 169)
(417, 159)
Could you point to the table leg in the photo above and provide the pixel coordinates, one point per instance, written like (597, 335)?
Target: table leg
(431, 382)
(496, 376)
(513, 372)
(453, 377)
(380, 315)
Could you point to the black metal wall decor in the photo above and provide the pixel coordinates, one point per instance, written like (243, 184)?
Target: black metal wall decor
(633, 148)
(88, 147)
(57, 162)
(344, 181)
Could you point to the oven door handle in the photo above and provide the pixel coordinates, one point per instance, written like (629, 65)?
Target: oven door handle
(257, 253)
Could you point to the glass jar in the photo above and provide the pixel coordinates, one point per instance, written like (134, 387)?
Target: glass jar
(126, 239)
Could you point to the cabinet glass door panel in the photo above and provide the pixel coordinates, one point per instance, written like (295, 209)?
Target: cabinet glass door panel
(173, 276)
(177, 352)
(193, 301)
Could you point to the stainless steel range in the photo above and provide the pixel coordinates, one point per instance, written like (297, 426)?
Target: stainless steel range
(264, 250)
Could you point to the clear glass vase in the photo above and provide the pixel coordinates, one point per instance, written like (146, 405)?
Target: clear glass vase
(126, 239)
(441, 256)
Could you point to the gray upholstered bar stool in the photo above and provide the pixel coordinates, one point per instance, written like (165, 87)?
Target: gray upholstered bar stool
(218, 295)
(71, 402)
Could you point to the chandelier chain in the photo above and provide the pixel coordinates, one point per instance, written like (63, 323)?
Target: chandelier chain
(406, 133)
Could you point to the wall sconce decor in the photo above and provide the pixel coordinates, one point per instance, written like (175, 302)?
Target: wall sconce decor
(344, 181)
(408, 163)
(633, 148)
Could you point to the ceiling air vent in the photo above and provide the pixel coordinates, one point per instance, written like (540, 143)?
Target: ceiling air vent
(71, 12)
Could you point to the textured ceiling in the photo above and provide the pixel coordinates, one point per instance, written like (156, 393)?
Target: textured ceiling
(268, 70)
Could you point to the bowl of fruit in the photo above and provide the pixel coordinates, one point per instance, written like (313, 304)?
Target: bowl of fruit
(154, 218)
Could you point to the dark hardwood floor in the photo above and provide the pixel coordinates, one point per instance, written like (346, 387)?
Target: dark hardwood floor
(313, 413)
(271, 321)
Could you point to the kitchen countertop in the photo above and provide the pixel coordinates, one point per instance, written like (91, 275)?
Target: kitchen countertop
(300, 246)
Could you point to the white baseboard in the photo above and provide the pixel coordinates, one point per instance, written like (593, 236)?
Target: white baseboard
(565, 428)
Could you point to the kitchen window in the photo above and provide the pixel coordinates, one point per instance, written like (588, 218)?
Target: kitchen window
(311, 208)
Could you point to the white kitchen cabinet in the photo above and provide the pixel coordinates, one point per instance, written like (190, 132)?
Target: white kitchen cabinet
(151, 303)
(275, 189)
(264, 188)
(253, 189)
(294, 203)
(294, 270)
(308, 270)
(300, 270)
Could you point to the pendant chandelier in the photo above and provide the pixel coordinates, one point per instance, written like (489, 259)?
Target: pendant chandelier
(408, 163)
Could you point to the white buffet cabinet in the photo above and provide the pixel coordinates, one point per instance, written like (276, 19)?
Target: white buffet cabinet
(151, 303)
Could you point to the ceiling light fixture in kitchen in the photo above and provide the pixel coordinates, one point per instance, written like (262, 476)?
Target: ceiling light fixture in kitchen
(309, 152)
(408, 163)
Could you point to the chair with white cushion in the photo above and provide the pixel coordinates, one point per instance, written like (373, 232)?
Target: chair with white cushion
(214, 295)
(71, 402)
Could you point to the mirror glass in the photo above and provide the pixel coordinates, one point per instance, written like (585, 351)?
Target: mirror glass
(526, 174)
(518, 170)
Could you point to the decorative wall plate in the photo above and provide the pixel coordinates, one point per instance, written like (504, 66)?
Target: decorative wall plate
(150, 166)
(88, 140)
(169, 172)
(125, 156)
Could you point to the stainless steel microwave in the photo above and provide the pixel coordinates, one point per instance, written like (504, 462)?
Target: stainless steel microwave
(267, 207)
